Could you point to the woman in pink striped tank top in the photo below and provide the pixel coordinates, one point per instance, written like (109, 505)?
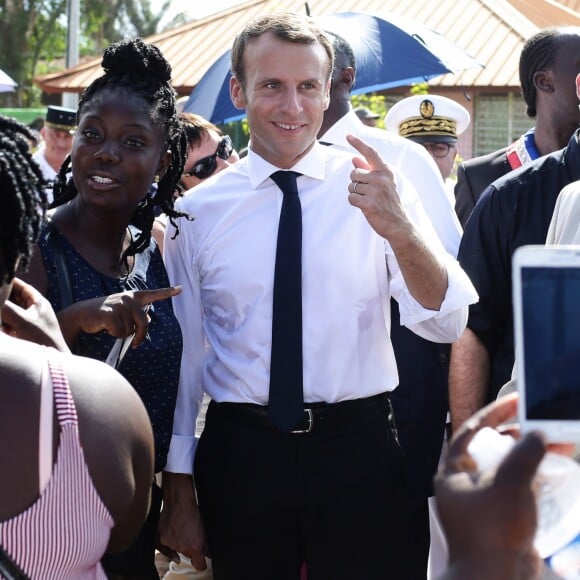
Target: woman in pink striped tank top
(76, 439)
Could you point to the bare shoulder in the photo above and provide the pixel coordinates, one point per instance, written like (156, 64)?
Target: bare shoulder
(103, 390)
(114, 429)
(106, 401)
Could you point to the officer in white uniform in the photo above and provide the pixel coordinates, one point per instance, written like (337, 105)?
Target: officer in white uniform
(432, 121)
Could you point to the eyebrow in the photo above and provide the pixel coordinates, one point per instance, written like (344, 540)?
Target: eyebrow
(140, 126)
(312, 80)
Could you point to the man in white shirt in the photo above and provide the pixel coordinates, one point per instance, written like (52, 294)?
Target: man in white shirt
(57, 134)
(420, 401)
(274, 498)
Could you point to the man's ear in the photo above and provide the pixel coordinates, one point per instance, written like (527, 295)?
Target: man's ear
(543, 81)
(237, 93)
(578, 87)
(347, 77)
(327, 94)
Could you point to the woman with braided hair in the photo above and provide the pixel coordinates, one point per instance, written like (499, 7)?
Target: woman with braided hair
(98, 263)
(63, 501)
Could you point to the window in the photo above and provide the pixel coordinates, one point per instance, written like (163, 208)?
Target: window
(499, 121)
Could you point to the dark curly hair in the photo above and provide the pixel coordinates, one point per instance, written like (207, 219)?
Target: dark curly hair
(140, 68)
(342, 49)
(23, 197)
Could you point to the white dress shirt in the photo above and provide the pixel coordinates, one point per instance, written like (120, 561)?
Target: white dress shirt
(224, 260)
(412, 161)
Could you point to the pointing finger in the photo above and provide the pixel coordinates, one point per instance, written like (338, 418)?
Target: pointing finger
(369, 153)
(144, 297)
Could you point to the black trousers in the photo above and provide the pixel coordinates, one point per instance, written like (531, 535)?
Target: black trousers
(420, 403)
(333, 498)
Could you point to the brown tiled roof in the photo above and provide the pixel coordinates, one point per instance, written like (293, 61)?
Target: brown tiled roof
(492, 31)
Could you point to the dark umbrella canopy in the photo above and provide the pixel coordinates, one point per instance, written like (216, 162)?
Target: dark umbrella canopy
(211, 96)
(388, 53)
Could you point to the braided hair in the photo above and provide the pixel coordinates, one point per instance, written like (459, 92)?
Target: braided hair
(23, 198)
(140, 68)
(539, 53)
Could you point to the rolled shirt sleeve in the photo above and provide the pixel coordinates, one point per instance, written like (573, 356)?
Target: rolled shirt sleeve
(448, 323)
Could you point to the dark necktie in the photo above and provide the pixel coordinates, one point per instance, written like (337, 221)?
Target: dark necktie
(286, 406)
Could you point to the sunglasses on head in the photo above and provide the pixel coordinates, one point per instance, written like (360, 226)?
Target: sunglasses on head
(206, 165)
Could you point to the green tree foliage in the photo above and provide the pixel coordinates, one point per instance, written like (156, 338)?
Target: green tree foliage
(106, 21)
(29, 30)
(376, 103)
(33, 36)
(420, 89)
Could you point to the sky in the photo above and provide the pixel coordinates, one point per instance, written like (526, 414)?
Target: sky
(201, 8)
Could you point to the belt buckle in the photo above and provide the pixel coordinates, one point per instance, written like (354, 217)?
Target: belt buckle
(310, 419)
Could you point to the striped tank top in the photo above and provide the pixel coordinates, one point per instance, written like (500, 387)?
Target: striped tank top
(65, 532)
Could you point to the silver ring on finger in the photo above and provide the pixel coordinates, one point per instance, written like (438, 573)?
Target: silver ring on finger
(355, 185)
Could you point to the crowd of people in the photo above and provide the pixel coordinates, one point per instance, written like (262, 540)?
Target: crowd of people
(312, 291)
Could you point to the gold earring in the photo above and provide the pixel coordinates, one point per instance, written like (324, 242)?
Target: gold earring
(156, 179)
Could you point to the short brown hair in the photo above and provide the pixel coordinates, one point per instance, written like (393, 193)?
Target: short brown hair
(197, 129)
(285, 26)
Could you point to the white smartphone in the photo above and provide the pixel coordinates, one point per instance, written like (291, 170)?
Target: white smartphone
(546, 301)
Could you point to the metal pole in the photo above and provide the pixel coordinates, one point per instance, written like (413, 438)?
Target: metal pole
(72, 47)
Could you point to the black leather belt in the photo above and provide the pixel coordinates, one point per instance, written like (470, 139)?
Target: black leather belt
(316, 415)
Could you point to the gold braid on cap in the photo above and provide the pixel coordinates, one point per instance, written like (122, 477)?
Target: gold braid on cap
(419, 127)
(59, 127)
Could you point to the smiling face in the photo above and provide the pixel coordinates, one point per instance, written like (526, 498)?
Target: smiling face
(117, 151)
(285, 95)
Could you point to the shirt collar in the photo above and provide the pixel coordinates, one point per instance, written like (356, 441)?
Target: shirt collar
(313, 165)
(347, 124)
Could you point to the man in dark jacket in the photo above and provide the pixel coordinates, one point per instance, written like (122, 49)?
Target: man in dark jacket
(547, 58)
(513, 211)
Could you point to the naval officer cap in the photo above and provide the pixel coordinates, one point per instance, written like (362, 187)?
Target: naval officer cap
(427, 119)
(61, 118)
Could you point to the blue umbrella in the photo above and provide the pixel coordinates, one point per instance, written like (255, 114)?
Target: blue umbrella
(388, 53)
(211, 96)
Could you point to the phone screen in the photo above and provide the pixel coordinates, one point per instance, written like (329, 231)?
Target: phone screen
(551, 333)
